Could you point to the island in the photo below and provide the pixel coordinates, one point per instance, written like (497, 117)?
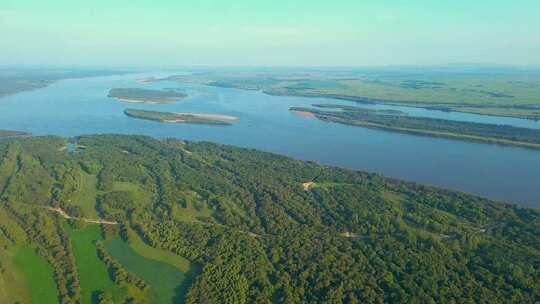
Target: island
(11, 133)
(487, 91)
(190, 118)
(134, 95)
(196, 222)
(398, 121)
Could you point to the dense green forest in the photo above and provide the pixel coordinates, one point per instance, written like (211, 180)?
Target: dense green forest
(246, 227)
(398, 121)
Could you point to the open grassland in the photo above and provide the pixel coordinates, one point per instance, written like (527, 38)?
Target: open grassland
(92, 272)
(13, 281)
(13, 285)
(39, 275)
(191, 208)
(168, 283)
(503, 93)
(140, 197)
(86, 194)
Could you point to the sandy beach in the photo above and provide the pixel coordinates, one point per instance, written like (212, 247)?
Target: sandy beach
(209, 116)
(303, 113)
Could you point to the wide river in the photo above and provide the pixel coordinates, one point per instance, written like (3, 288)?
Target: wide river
(80, 106)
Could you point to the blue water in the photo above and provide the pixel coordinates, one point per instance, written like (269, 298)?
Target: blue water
(80, 106)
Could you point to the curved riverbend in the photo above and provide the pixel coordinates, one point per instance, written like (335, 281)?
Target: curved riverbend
(81, 106)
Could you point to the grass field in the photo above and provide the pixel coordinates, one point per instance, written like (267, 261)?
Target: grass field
(159, 255)
(192, 209)
(13, 284)
(86, 195)
(162, 272)
(92, 272)
(505, 92)
(39, 275)
(140, 196)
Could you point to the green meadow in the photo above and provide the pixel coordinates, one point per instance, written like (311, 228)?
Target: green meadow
(86, 194)
(169, 276)
(93, 274)
(514, 94)
(38, 273)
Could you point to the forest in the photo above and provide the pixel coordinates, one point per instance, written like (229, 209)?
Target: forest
(397, 121)
(245, 229)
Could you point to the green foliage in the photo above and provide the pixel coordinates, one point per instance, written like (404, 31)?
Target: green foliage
(117, 273)
(164, 280)
(257, 234)
(398, 122)
(493, 92)
(92, 272)
(39, 275)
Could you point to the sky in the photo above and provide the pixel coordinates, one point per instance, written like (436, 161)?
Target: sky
(269, 32)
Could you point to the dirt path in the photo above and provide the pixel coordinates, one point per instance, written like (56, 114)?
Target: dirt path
(63, 214)
(308, 185)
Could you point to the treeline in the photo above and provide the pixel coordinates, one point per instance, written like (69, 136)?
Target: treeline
(51, 242)
(428, 126)
(117, 273)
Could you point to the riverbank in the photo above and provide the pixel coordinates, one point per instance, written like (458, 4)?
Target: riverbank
(399, 122)
(11, 133)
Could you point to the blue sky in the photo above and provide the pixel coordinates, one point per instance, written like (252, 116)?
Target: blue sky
(263, 32)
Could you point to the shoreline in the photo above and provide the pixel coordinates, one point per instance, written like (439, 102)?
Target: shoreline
(127, 100)
(427, 132)
(209, 115)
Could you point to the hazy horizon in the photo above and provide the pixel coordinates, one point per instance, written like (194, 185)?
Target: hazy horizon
(295, 33)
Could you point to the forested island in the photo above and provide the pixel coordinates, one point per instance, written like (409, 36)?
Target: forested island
(11, 133)
(190, 118)
(206, 223)
(397, 121)
(134, 95)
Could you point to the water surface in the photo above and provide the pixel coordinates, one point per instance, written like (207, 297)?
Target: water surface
(80, 106)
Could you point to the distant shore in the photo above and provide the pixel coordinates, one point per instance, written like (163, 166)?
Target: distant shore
(209, 116)
(136, 95)
(11, 133)
(126, 100)
(190, 118)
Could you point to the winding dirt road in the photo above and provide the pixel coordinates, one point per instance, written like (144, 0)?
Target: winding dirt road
(63, 214)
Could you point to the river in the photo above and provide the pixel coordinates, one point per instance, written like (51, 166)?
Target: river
(80, 106)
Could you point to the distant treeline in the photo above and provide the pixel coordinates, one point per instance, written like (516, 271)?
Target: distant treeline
(502, 134)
